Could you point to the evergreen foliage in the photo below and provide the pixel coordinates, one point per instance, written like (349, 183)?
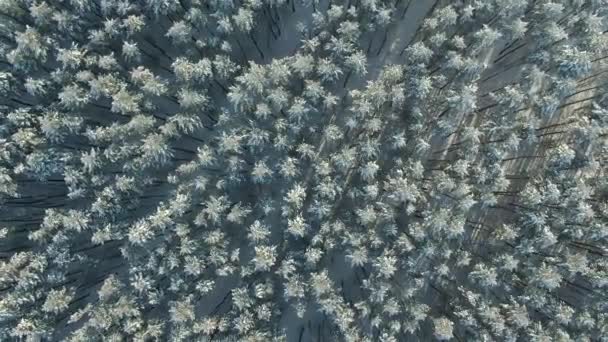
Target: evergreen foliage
(303, 170)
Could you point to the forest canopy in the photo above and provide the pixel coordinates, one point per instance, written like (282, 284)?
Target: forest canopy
(303, 170)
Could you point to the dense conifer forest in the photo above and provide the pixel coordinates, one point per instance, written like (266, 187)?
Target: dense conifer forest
(303, 170)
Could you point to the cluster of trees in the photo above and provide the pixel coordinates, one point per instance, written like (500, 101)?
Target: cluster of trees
(303, 170)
